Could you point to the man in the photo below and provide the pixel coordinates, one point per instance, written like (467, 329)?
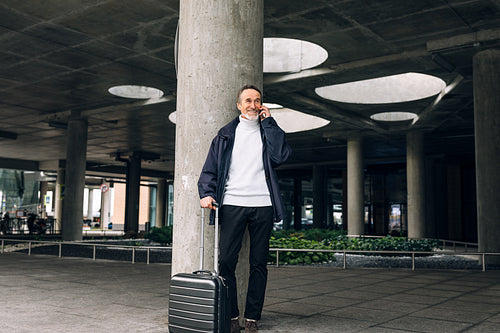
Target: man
(239, 174)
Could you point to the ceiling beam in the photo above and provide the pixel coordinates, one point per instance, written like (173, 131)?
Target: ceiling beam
(117, 107)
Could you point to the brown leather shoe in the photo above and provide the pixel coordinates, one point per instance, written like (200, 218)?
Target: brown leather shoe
(235, 326)
(251, 327)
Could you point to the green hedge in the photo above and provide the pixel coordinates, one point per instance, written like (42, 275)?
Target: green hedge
(387, 243)
(161, 235)
(336, 240)
(295, 258)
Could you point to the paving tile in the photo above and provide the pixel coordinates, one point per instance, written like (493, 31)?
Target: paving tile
(323, 324)
(452, 314)
(374, 315)
(298, 308)
(391, 304)
(416, 324)
(483, 328)
(416, 299)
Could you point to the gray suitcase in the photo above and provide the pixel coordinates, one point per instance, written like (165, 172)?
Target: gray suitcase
(199, 301)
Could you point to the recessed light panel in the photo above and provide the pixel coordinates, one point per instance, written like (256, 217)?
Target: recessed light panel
(389, 89)
(137, 92)
(283, 55)
(393, 116)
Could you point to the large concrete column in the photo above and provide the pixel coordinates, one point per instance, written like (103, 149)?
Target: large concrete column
(161, 202)
(90, 204)
(415, 178)
(220, 50)
(44, 187)
(487, 140)
(133, 193)
(76, 152)
(105, 204)
(355, 187)
(297, 203)
(58, 200)
(319, 196)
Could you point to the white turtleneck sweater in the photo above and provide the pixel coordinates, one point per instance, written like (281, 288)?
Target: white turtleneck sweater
(246, 184)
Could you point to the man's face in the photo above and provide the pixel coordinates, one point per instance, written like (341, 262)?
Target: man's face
(249, 104)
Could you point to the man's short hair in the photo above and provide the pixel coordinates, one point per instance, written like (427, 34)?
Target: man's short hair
(245, 87)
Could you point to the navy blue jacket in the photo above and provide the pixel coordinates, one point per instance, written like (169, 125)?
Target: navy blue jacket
(216, 168)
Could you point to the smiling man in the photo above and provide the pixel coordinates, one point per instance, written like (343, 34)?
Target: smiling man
(239, 173)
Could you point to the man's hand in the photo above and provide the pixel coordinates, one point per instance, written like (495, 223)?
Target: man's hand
(207, 202)
(264, 112)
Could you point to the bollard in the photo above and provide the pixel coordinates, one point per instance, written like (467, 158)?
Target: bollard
(147, 257)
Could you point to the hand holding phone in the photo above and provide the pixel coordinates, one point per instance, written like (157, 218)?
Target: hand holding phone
(264, 112)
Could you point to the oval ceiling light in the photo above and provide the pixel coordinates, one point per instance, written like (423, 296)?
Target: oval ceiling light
(291, 55)
(292, 121)
(137, 92)
(389, 89)
(289, 120)
(393, 116)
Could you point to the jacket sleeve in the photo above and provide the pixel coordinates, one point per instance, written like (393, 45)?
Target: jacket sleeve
(277, 147)
(207, 183)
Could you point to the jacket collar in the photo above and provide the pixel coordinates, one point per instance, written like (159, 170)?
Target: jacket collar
(230, 128)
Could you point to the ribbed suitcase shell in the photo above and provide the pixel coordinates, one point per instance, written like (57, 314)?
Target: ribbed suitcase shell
(198, 303)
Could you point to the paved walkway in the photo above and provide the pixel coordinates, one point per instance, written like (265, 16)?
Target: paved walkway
(47, 294)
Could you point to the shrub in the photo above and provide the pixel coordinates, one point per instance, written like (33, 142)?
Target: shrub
(311, 234)
(381, 244)
(161, 235)
(337, 240)
(295, 258)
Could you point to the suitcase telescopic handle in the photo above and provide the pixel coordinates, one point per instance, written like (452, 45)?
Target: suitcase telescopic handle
(216, 247)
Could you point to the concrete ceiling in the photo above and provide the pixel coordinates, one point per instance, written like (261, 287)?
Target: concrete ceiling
(59, 57)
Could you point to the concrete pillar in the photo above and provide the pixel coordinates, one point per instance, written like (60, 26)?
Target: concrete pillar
(454, 202)
(58, 200)
(105, 204)
(319, 196)
(415, 178)
(161, 202)
(76, 152)
(220, 50)
(133, 193)
(44, 187)
(90, 203)
(345, 221)
(487, 140)
(297, 203)
(355, 187)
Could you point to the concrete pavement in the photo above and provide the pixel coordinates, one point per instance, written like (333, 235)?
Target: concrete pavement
(48, 294)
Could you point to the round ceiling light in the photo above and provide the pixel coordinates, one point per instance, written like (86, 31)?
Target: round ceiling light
(137, 92)
(393, 116)
(389, 89)
(291, 55)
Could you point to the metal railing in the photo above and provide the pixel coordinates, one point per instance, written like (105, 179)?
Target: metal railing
(94, 246)
(465, 245)
(413, 254)
(133, 248)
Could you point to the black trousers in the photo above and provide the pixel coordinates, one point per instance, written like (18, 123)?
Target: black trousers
(234, 220)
